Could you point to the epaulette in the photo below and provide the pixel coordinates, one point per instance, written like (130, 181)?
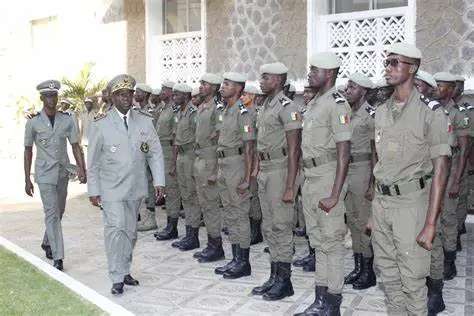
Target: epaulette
(370, 110)
(461, 108)
(64, 112)
(242, 108)
(100, 116)
(144, 113)
(191, 108)
(338, 98)
(175, 108)
(432, 104)
(468, 106)
(218, 104)
(284, 102)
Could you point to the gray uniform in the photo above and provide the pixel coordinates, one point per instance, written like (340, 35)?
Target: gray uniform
(52, 170)
(117, 163)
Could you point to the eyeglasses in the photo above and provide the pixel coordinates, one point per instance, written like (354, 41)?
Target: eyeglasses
(394, 62)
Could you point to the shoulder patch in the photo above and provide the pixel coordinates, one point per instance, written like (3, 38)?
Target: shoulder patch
(284, 102)
(338, 98)
(64, 112)
(242, 108)
(191, 108)
(371, 111)
(100, 116)
(432, 104)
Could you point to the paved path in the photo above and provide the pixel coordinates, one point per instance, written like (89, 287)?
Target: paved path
(172, 283)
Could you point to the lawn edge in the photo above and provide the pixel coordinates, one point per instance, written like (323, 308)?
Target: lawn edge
(77, 287)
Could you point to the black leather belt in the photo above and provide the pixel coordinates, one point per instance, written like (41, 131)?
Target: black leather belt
(404, 188)
(230, 152)
(276, 154)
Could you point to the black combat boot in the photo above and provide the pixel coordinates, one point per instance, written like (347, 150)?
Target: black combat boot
(310, 265)
(170, 231)
(192, 242)
(213, 251)
(260, 290)
(177, 243)
(242, 266)
(458, 243)
(354, 274)
(435, 296)
(318, 308)
(230, 264)
(449, 265)
(255, 231)
(333, 304)
(302, 261)
(367, 277)
(282, 287)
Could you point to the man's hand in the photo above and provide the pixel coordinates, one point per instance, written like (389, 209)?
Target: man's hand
(327, 204)
(172, 171)
(369, 194)
(212, 180)
(454, 192)
(82, 175)
(426, 236)
(95, 200)
(254, 174)
(159, 193)
(368, 226)
(29, 188)
(288, 196)
(243, 187)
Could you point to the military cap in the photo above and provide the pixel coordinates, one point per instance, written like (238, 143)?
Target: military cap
(211, 78)
(325, 60)
(182, 87)
(273, 69)
(48, 86)
(426, 77)
(120, 82)
(291, 88)
(444, 76)
(144, 87)
(195, 92)
(252, 89)
(235, 76)
(404, 49)
(361, 79)
(66, 100)
(168, 84)
(156, 91)
(382, 83)
(88, 100)
(460, 78)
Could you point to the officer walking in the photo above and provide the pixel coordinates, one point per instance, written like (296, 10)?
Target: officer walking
(48, 131)
(278, 145)
(411, 138)
(122, 143)
(235, 153)
(326, 151)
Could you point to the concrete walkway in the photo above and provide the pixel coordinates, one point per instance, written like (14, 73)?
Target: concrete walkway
(173, 283)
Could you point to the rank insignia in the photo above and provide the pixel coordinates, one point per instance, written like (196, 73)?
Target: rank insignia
(113, 149)
(144, 148)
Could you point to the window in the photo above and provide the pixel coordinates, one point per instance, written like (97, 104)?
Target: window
(181, 16)
(345, 6)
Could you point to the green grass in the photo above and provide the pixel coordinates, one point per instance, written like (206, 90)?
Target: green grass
(25, 290)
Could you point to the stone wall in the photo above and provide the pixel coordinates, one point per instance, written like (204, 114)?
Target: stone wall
(445, 34)
(244, 34)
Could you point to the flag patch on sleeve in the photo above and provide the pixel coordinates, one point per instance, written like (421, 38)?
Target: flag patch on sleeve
(450, 127)
(247, 129)
(295, 116)
(344, 119)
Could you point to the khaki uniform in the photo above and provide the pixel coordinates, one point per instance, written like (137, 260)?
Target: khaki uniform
(205, 165)
(358, 178)
(236, 125)
(165, 127)
(326, 122)
(407, 137)
(185, 139)
(449, 218)
(255, 208)
(278, 116)
(52, 170)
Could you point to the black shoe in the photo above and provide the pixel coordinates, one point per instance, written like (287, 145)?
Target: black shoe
(333, 304)
(282, 287)
(302, 261)
(170, 231)
(354, 274)
(223, 269)
(266, 250)
(458, 243)
(117, 288)
(310, 265)
(192, 242)
(367, 276)
(300, 232)
(450, 271)
(318, 307)
(255, 231)
(129, 280)
(197, 254)
(260, 290)
(58, 264)
(47, 251)
(213, 251)
(435, 296)
(177, 244)
(225, 230)
(241, 267)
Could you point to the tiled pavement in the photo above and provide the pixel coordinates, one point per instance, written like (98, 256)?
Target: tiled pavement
(172, 283)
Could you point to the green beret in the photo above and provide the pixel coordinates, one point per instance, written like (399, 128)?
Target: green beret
(156, 91)
(426, 77)
(168, 84)
(211, 78)
(235, 76)
(361, 79)
(195, 92)
(252, 89)
(182, 87)
(445, 76)
(404, 49)
(325, 60)
(144, 87)
(273, 69)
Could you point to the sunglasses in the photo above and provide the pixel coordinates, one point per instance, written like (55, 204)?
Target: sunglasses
(394, 63)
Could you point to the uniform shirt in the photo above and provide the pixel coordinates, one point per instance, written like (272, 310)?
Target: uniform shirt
(50, 142)
(326, 122)
(86, 119)
(362, 130)
(467, 102)
(459, 120)
(406, 143)
(206, 118)
(117, 158)
(237, 125)
(186, 125)
(276, 117)
(166, 122)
